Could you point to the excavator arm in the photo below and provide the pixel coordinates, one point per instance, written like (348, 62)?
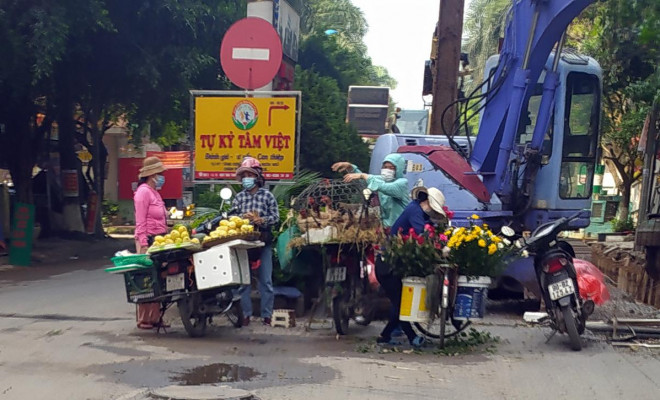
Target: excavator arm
(534, 28)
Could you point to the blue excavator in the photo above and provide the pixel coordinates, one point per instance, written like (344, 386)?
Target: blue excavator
(532, 160)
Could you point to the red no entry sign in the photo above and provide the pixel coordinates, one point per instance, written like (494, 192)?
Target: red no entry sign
(251, 53)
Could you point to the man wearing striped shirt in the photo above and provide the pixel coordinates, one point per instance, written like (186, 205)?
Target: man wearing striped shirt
(258, 205)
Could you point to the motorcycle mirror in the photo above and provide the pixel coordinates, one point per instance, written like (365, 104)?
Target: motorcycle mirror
(367, 194)
(209, 226)
(226, 193)
(508, 231)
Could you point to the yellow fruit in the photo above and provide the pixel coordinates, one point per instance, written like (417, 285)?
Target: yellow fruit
(232, 232)
(224, 222)
(183, 229)
(178, 241)
(159, 238)
(246, 222)
(168, 236)
(232, 225)
(214, 234)
(169, 241)
(223, 229)
(194, 240)
(175, 234)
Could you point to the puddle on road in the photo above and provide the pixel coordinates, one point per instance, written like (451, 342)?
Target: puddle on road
(215, 373)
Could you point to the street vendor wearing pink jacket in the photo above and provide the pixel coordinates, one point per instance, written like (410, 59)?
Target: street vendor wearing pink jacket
(150, 220)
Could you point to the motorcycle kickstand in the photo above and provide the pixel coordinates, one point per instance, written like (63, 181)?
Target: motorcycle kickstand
(549, 337)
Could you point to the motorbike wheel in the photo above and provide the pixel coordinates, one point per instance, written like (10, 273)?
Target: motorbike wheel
(571, 328)
(195, 324)
(235, 314)
(340, 314)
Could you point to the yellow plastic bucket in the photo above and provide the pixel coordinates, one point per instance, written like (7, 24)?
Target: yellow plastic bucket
(413, 300)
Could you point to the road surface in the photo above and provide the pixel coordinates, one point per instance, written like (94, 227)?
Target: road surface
(71, 336)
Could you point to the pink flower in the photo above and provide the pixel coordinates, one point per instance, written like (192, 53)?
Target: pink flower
(448, 212)
(442, 237)
(431, 235)
(420, 240)
(411, 231)
(438, 246)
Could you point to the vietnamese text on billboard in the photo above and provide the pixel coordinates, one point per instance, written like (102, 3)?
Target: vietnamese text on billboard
(228, 129)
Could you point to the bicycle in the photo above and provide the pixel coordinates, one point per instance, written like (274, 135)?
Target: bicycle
(436, 327)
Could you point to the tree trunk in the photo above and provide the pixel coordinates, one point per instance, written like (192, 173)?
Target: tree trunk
(68, 161)
(19, 148)
(624, 204)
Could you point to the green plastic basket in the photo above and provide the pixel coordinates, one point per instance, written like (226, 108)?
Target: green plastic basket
(141, 259)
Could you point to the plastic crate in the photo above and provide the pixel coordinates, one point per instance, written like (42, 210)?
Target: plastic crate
(142, 285)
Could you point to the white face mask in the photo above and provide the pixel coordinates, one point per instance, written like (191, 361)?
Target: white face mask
(387, 174)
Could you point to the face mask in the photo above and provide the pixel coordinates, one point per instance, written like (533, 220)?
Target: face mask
(248, 183)
(387, 174)
(160, 181)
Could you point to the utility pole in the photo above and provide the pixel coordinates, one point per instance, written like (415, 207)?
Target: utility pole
(445, 85)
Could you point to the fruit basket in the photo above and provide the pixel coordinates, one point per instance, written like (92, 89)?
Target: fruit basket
(230, 229)
(190, 246)
(251, 237)
(177, 238)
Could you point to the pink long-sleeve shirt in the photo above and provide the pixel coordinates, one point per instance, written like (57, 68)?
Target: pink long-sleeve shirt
(150, 213)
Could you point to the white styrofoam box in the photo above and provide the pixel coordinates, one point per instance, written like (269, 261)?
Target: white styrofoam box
(321, 235)
(224, 264)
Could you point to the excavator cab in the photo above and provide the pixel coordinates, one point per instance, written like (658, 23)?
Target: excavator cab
(570, 150)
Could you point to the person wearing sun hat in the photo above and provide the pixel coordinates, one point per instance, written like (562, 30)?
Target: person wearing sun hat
(150, 220)
(258, 205)
(427, 206)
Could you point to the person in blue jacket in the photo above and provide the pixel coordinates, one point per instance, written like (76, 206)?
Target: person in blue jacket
(426, 207)
(391, 186)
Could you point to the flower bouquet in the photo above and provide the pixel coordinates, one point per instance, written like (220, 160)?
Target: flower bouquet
(476, 250)
(410, 254)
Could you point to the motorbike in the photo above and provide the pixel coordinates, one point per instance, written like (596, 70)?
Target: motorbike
(557, 278)
(197, 307)
(203, 285)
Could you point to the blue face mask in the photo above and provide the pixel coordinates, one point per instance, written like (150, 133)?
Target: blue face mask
(160, 181)
(249, 182)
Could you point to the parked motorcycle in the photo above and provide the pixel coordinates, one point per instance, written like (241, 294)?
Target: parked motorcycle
(197, 307)
(555, 271)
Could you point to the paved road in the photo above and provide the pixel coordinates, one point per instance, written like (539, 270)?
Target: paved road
(71, 336)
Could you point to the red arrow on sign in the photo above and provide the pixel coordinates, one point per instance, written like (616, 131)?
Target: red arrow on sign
(271, 108)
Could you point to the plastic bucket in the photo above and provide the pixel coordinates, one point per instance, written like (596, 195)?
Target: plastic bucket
(413, 300)
(471, 298)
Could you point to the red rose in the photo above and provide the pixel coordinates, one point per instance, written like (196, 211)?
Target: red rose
(420, 240)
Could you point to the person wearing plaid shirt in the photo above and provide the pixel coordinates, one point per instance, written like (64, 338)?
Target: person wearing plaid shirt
(258, 205)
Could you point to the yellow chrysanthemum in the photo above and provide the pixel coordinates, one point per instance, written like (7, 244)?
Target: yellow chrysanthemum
(476, 229)
(492, 249)
(482, 243)
(496, 239)
(474, 216)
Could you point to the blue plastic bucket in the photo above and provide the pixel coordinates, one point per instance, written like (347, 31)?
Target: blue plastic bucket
(471, 298)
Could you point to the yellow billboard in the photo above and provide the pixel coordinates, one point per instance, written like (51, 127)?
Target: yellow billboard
(228, 129)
